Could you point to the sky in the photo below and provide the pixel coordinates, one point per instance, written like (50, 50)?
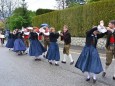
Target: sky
(36, 4)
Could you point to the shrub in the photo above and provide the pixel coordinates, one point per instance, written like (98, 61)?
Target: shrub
(79, 19)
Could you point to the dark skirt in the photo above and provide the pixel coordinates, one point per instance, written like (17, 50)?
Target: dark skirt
(36, 48)
(10, 43)
(19, 45)
(89, 60)
(53, 52)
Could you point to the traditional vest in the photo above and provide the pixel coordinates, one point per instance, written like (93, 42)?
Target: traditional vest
(112, 39)
(26, 36)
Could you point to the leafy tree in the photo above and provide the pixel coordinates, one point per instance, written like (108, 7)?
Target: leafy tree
(1, 24)
(74, 4)
(31, 15)
(15, 22)
(81, 0)
(6, 9)
(61, 4)
(68, 2)
(18, 11)
(21, 17)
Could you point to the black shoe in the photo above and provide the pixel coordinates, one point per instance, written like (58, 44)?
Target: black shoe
(104, 73)
(94, 80)
(113, 77)
(50, 63)
(63, 62)
(19, 54)
(37, 59)
(56, 64)
(88, 79)
(24, 52)
(44, 56)
(71, 63)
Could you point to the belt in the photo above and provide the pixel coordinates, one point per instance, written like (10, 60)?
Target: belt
(113, 44)
(46, 36)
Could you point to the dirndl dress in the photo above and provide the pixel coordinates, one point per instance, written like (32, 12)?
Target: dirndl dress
(10, 43)
(19, 45)
(36, 48)
(89, 60)
(53, 52)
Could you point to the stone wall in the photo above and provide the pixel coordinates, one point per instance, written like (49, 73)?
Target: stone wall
(79, 41)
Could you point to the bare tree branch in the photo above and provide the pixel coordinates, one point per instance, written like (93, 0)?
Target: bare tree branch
(61, 4)
(7, 7)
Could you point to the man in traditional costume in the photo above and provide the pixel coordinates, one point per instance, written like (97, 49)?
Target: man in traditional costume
(26, 38)
(66, 36)
(110, 47)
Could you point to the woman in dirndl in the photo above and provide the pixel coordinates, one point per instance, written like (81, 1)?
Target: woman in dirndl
(53, 50)
(36, 48)
(10, 42)
(19, 45)
(89, 60)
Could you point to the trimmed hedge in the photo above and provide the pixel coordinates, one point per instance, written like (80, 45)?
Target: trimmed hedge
(79, 19)
(43, 11)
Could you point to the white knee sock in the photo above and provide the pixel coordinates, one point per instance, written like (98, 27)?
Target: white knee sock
(88, 75)
(50, 61)
(56, 62)
(94, 76)
(114, 71)
(44, 53)
(64, 58)
(70, 56)
(27, 49)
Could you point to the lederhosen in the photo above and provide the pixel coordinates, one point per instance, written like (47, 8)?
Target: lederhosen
(26, 40)
(46, 41)
(110, 48)
(67, 42)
